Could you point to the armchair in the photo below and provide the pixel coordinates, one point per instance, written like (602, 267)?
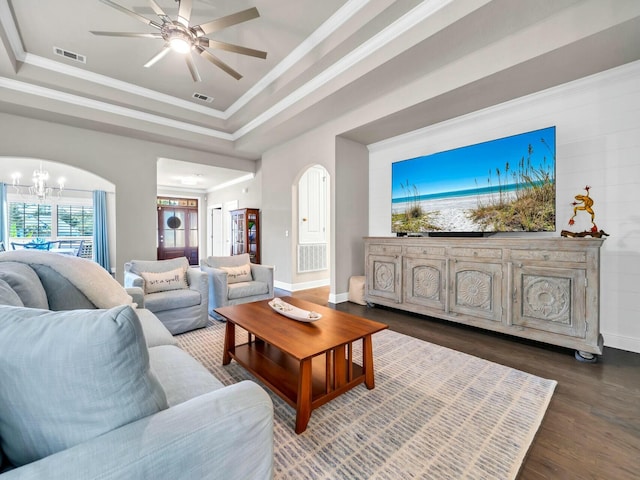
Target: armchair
(177, 294)
(234, 280)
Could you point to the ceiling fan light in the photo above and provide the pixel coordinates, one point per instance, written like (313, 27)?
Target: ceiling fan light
(180, 45)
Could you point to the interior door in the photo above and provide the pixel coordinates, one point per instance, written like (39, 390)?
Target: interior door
(178, 233)
(312, 206)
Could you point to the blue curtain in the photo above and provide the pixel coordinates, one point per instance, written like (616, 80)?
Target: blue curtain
(100, 229)
(4, 215)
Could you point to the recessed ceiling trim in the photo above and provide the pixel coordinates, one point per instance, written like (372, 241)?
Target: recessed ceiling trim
(72, 71)
(107, 107)
(366, 49)
(324, 31)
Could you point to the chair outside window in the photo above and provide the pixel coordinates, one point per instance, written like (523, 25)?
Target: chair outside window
(79, 248)
(37, 245)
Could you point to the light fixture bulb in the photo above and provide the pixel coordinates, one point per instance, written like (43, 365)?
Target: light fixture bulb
(179, 45)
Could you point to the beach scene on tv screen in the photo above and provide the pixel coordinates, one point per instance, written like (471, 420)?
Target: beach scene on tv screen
(502, 185)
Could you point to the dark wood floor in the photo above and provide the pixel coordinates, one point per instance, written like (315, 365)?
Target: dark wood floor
(592, 427)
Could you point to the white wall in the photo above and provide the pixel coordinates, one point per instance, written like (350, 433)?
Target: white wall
(247, 194)
(597, 144)
(127, 163)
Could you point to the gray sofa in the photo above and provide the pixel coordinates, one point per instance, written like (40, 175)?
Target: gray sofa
(180, 309)
(105, 392)
(234, 280)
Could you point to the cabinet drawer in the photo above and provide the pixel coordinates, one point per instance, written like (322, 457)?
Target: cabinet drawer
(386, 249)
(476, 252)
(549, 255)
(425, 251)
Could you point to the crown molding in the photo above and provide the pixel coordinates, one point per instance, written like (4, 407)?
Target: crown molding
(622, 72)
(323, 32)
(80, 101)
(366, 49)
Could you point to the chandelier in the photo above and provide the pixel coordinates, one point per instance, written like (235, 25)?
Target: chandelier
(39, 188)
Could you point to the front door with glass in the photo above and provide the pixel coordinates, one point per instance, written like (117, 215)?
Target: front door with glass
(178, 229)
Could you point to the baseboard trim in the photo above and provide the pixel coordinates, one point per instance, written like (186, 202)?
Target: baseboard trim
(295, 287)
(620, 342)
(339, 298)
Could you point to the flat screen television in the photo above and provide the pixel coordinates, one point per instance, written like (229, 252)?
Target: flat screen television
(502, 185)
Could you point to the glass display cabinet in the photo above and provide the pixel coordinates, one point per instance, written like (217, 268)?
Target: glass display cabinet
(245, 233)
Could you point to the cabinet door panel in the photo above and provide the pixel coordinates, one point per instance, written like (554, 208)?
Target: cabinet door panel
(476, 289)
(384, 277)
(424, 282)
(550, 299)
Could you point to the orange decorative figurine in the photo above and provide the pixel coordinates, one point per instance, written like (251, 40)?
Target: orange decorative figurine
(584, 203)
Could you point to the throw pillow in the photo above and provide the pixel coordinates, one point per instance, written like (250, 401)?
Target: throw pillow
(8, 295)
(238, 274)
(25, 282)
(70, 376)
(163, 281)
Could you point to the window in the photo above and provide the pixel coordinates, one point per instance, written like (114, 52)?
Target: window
(39, 220)
(74, 221)
(30, 220)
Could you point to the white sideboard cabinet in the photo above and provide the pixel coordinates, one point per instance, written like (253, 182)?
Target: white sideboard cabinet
(544, 289)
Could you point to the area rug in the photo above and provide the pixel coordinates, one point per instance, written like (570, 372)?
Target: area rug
(434, 413)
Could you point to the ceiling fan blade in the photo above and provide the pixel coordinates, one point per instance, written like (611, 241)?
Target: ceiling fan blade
(128, 34)
(184, 12)
(166, 49)
(229, 47)
(218, 63)
(192, 68)
(159, 12)
(224, 22)
(132, 13)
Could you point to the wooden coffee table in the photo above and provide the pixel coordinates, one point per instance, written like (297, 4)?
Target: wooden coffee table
(306, 364)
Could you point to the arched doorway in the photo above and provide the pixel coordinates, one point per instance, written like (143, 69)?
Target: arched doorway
(313, 233)
(62, 216)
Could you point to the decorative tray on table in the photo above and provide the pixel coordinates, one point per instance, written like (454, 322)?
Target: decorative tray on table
(295, 313)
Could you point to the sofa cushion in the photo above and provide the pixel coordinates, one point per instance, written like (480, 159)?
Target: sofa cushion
(155, 333)
(238, 274)
(70, 376)
(175, 279)
(8, 295)
(247, 289)
(181, 376)
(61, 293)
(26, 283)
(157, 302)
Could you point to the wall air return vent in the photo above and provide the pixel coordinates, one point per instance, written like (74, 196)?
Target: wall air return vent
(202, 98)
(70, 55)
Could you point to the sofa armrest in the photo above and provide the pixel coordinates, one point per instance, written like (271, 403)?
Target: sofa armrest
(227, 433)
(218, 287)
(137, 294)
(133, 280)
(263, 273)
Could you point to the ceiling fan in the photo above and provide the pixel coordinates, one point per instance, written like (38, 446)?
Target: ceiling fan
(181, 37)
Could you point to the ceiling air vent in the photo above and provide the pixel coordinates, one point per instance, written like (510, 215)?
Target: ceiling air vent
(70, 55)
(203, 98)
